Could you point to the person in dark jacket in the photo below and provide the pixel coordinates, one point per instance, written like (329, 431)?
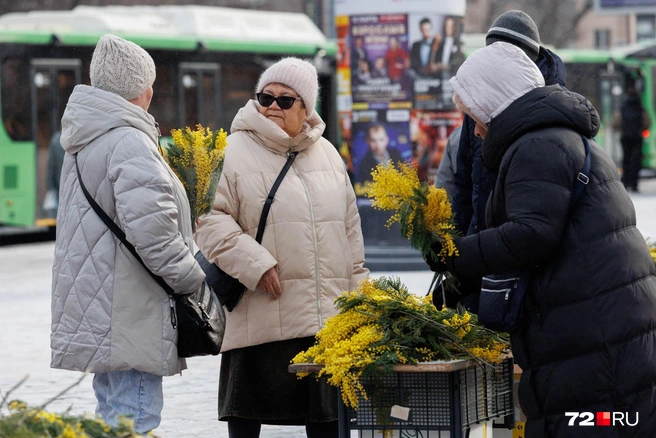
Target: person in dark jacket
(587, 339)
(55, 160)
(631, 137)
(473, 183)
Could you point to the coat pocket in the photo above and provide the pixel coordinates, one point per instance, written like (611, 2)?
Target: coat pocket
(501, 301)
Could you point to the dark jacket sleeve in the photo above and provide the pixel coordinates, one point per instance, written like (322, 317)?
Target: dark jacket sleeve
(462, 199)
(537, 189)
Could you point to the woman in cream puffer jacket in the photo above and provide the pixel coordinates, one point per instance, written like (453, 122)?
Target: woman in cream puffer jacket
(311, 251)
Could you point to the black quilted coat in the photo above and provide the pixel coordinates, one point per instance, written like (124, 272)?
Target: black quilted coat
(588, 338)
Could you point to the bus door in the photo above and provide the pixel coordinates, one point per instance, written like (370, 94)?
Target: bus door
(52, 83)
(200, 94)
(611, 90)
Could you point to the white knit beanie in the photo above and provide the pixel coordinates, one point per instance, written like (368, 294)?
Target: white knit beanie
(121, 67)
(299, 75)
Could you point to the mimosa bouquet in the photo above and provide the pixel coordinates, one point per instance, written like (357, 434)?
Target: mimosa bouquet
(423, 211)
(196, 157)
(382, 324)
(652, 252)
(18, 420)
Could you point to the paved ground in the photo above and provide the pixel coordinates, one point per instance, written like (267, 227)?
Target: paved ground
(190, 399)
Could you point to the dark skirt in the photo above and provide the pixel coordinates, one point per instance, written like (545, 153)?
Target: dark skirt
(254, 383)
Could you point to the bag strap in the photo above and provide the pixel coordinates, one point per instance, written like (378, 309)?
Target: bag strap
(272, 194)
(583, 178)
(121, 235)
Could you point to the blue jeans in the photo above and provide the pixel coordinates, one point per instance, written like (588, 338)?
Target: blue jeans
(133, 394)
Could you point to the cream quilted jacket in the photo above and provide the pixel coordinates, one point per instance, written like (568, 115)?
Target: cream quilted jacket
(312, 233)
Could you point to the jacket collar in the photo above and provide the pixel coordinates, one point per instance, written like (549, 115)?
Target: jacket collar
(92, 112)
(542, 108)
(271, 136)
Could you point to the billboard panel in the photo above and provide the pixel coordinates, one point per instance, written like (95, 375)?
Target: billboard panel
(625, 6)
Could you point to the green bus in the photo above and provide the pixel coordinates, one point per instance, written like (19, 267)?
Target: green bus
(208, 61)
(601, 76)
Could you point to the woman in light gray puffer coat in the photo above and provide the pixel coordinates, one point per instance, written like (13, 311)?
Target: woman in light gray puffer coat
(109, 317)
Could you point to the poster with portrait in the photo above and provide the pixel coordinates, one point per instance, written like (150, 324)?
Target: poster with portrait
(429, 132)
(378, 136)
(435, 56)
(380, 62)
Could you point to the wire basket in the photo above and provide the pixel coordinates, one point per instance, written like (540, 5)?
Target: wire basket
(432, 404)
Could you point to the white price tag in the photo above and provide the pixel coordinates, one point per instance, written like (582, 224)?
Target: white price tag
(400, 412)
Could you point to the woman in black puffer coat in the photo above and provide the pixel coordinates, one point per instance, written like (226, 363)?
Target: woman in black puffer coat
(587, 342)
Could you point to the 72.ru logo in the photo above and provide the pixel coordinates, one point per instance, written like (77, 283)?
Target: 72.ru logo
(602, 419)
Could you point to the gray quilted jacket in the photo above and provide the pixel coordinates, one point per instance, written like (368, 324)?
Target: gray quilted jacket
(108, 314)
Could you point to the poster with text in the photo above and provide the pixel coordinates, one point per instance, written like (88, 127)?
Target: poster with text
(378, 136)
(429, 132)
(435, 56)
(380, 62)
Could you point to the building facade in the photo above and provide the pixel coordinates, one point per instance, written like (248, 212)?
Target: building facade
(568, 23)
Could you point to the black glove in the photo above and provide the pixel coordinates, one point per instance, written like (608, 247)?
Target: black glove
(468, 287)
(436, 264)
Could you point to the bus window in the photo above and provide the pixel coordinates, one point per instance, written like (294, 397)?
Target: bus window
(583, 79)
(211, 107)
(52, 83)
(200, 101)
(15, 95)
(239, 86)
(163, 107)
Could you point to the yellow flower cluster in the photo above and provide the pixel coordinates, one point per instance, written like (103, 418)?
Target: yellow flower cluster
(652, 252)
(382, 324)
(438, 218)
(391, 186)
(196, 156)
(489, 353)
(459, 323)
(424, 211)
(24, 422)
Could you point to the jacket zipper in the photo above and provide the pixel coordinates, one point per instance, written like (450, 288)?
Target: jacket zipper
(316, 247)
(491, 280)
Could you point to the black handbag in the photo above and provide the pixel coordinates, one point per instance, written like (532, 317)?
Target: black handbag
(198, 316)
(227, 288)
(502, 295)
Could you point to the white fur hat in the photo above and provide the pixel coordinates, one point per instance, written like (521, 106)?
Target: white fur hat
(492, 78)
(299, 75)
(121, 67)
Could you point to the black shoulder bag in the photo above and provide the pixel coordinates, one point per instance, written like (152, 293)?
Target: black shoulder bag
(200, 319)
(227, 288)
(502, 295)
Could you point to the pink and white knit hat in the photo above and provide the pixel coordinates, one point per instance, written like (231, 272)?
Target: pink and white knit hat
(297, 74)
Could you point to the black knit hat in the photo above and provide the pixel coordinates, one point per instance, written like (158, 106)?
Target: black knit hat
(516, 27)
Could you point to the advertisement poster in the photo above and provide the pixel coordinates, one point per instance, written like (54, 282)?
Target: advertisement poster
(378, 136)
(344, 101)
(345, 147)
(429, 132)
(380, 61)
(435, 56)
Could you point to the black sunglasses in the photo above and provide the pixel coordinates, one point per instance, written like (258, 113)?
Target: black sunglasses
(284, 102)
